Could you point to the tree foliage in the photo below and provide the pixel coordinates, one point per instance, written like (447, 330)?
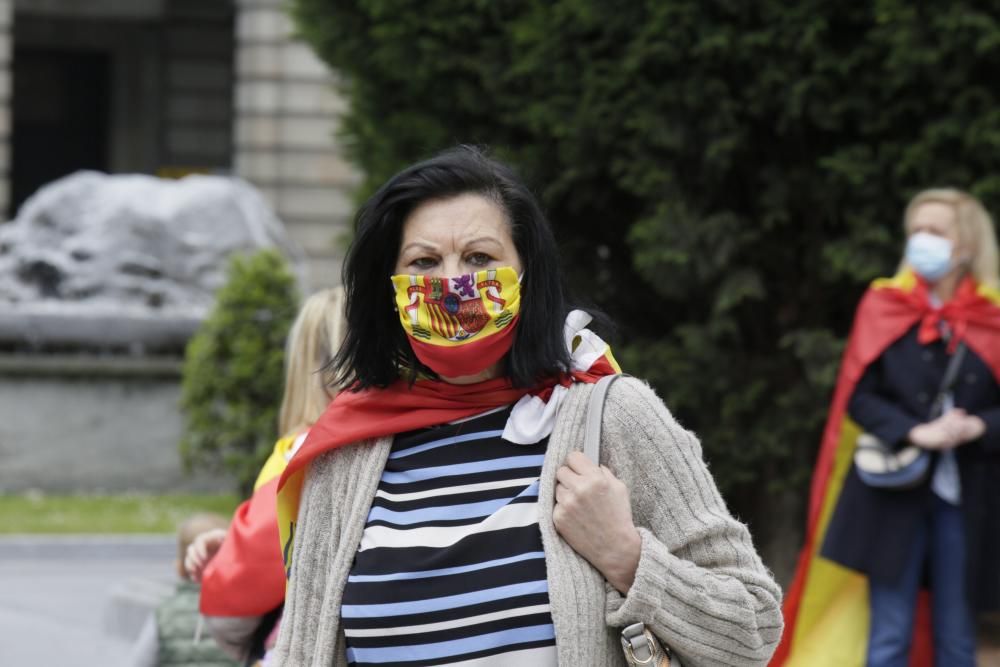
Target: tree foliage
(233, 369)
(725, 177)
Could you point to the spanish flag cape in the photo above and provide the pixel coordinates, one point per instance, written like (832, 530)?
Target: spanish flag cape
(373, 413)
(245, 577)
(826, 608)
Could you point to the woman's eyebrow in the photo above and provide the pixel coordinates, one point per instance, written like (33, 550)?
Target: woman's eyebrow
(421, 245)
(483, 239)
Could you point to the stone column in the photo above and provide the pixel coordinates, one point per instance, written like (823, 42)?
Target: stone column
(6, 56)
(286, 116)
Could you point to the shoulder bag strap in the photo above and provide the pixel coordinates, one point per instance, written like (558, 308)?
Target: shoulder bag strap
(948, 381)
(595, 416)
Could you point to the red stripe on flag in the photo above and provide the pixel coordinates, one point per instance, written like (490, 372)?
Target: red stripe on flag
(247, 575)
(485, 351)
(436, 323)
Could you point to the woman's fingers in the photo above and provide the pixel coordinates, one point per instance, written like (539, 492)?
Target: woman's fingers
(566, 477)
(593, 515)
(200, 551)
(192, 562)
(563, 493)
(580, 463)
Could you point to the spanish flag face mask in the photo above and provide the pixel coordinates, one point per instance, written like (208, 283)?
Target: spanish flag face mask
(459, 326)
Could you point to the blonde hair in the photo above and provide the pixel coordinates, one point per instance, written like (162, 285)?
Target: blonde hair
(313, 340)
(975, 229)
(195, 525)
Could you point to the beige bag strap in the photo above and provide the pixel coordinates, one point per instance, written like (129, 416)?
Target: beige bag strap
(595, 417)
(641, 647)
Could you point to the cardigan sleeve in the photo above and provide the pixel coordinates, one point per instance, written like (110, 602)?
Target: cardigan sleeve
(700, 585)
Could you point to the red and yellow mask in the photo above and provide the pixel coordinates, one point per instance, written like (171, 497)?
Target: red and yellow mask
(463, 325)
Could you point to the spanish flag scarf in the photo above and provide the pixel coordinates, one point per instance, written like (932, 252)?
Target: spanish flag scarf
(247, 576)
(826, 607)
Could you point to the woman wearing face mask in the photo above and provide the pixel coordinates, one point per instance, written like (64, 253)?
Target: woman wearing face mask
(944, 532)
(441, 512)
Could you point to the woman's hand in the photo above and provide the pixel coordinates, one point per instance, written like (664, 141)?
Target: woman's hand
(592, 513)
(948, 431)
(201, 550)
(973, 428)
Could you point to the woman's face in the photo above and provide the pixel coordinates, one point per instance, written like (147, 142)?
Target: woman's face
(938, 219)
(451, 237)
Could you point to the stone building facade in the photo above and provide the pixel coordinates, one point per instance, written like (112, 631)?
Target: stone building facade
(174, 86)
(164, 87)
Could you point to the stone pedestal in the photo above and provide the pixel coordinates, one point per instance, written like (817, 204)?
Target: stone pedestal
(89, 424)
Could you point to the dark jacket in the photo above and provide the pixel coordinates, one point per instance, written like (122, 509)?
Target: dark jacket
(872, 530)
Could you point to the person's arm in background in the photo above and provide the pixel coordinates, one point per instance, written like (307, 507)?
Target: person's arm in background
(875, 413)
(883, 418)
(201, 550)
(231, 633)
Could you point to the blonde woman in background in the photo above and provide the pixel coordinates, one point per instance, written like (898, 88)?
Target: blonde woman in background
(945, 532)
(241, 571)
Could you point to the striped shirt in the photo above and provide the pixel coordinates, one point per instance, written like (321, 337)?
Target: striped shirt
(451, 570)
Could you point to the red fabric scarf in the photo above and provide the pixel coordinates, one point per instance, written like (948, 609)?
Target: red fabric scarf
(375, 413)
(247, 575)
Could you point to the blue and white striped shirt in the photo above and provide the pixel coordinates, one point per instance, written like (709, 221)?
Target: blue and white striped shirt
(451, 570)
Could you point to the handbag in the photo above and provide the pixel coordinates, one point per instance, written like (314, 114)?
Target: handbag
(640, 646)
(881, 466)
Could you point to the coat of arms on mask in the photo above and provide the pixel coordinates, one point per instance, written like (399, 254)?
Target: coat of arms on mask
(457, 308)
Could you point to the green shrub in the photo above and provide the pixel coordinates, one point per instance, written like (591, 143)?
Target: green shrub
(724, 177)
(233, 369)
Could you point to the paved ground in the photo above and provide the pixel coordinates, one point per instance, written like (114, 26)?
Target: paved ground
(69, 601)
(78, 600)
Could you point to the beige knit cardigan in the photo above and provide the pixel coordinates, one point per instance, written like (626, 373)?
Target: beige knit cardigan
(700, 585)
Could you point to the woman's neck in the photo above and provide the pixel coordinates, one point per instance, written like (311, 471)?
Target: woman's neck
(488, 374)
(944, 289)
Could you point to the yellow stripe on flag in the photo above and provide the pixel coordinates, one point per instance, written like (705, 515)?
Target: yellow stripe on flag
(833, 618)
(288, 510)
(276, 462)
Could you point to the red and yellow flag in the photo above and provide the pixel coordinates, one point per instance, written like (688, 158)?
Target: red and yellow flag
(826, 607)
(373, 413)
(245, 577)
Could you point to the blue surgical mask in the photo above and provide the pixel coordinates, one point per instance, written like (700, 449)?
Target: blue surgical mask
(929, 255)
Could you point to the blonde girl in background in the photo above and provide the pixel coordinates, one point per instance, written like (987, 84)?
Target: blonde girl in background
(240, 569)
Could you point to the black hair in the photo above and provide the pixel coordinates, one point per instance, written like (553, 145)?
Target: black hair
(375, 351)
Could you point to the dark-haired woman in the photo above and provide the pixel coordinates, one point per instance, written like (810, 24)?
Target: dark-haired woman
(442, 513)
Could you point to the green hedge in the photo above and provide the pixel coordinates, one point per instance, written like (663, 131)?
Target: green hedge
(725, 177)
(233, 369)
